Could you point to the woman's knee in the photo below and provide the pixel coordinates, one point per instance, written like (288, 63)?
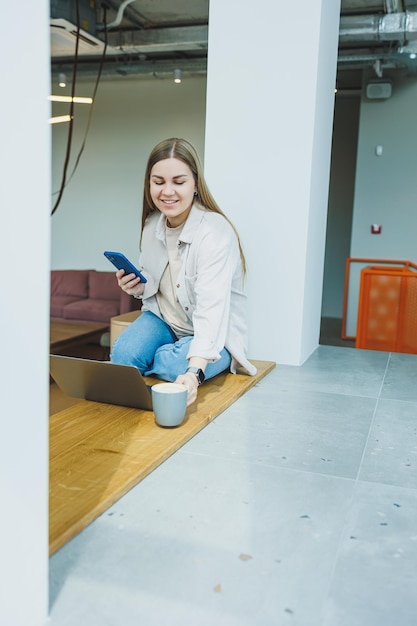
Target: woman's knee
(125, 351)
(138, 343)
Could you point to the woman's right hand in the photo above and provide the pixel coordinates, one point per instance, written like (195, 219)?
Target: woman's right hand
(130, 283)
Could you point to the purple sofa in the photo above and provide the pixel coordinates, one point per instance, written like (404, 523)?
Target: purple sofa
(88, 296)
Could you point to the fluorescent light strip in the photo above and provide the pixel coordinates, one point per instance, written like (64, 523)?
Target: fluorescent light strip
(59, 119)
(76, 99)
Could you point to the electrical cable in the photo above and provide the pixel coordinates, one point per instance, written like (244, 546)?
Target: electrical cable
(94, 96)
(71, 113)
(65, 182)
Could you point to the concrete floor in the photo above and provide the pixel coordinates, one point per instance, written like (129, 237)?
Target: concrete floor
(297, 505)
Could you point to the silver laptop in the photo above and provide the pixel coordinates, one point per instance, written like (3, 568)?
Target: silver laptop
(100, 381)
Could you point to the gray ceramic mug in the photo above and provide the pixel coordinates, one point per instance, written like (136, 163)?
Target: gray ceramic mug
(169, 402)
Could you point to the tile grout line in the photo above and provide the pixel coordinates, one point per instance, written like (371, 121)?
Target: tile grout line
(344, 526)
(372, 419)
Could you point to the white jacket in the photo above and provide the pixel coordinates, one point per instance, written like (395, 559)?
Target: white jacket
(209, 285)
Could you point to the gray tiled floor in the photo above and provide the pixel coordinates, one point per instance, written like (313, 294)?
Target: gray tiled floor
(297, 505)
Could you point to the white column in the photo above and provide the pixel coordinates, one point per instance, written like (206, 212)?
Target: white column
(270, 97)
(25, 200)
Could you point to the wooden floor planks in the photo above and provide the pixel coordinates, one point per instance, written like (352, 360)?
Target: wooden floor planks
(100, 451)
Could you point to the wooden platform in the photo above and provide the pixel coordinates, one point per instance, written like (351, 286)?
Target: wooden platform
(100, 451)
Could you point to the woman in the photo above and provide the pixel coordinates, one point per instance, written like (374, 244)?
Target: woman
(193, 324)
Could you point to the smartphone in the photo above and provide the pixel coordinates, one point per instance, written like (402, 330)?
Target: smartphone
(122, 263)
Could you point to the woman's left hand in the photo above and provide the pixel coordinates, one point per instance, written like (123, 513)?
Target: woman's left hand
(190, 381)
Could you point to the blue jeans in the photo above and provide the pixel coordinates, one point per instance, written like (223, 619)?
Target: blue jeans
(150, 345)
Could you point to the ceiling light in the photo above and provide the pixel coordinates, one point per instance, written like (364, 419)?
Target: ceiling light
(76, 99)
(62, 80)
(59, 119)
(177, 76)
(413, 55)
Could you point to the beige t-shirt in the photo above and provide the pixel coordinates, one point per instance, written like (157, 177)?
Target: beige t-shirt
(171, 311)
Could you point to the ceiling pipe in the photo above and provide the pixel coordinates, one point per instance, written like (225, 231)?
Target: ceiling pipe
(151, 69)
(120, 14)
(170, 39)
(390, 27)
(131, 14)
(400, 27)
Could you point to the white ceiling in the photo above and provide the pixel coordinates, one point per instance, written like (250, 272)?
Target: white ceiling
(153, 37)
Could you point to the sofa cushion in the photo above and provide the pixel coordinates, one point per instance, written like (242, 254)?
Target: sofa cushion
(58, 304)
(103, 285)
(70, 283)
(92, 310)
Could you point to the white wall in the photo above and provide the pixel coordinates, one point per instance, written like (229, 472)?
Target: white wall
(24, 314)
(268, 143)
(101, 206)
(386, 186)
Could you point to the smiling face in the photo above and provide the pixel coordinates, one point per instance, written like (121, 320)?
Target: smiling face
(172, 189)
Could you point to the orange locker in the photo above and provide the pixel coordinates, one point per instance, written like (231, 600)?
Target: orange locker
(387, 311)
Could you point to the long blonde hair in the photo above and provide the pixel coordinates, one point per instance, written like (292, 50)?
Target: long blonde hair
(183, 150)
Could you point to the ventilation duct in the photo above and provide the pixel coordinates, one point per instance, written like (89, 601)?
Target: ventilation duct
(399, 27)
(398, 31)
